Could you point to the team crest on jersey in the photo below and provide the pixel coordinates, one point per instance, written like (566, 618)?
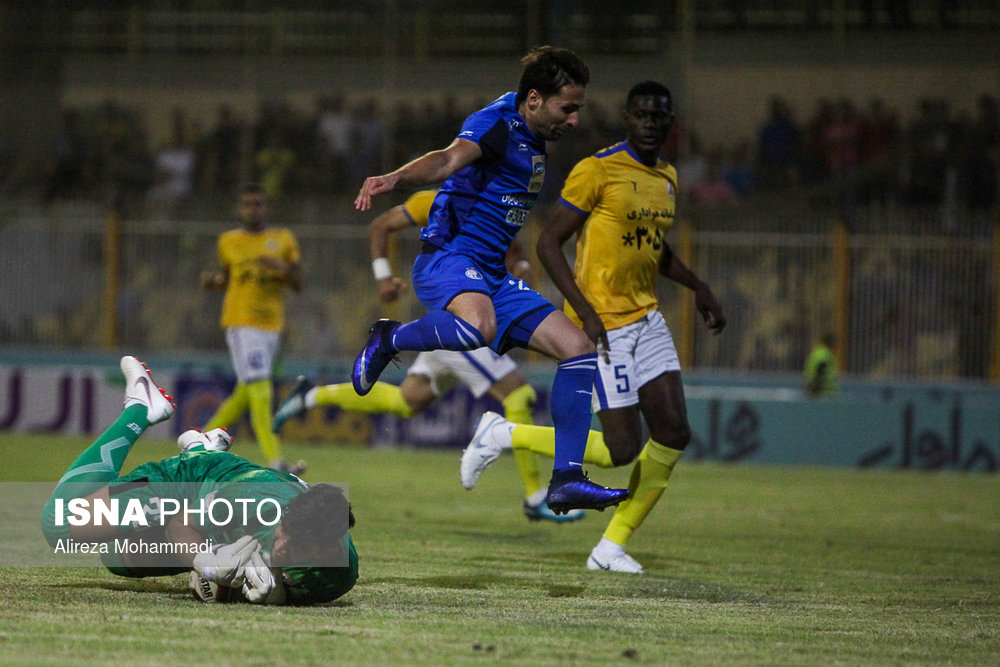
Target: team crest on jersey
(537, 173)
(271, 244)
(472, 274)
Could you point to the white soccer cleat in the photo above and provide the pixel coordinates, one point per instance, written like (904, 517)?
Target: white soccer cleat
(616, 562)
(140, 389)
(493, 435)
(216, 440)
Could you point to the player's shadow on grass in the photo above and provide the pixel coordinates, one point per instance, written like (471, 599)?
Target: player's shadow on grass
(456, 582)
(132, 586)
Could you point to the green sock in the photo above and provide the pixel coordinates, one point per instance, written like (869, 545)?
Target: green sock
(99, 464)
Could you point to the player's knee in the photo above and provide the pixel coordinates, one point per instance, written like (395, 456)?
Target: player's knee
(487, 329)
(623, 450)
(576, 345)
(417, 393)
(675, 437)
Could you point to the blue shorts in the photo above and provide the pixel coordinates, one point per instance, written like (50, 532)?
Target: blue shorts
(438, 277)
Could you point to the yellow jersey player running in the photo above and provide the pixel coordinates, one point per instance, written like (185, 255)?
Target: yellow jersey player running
(257, 264)
(433, 373)
(620, 203)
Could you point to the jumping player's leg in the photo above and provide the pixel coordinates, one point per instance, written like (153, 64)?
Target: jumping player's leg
(557, 337)
(460, 317)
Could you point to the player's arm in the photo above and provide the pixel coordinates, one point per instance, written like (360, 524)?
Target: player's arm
(564, 223)
(290, 272)
(673, 268)
(379, 230)
(215, 280)
(430, 168)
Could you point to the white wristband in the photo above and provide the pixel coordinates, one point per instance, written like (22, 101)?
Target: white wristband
(381, 268)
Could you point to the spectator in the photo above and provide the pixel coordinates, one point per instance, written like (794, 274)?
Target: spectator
(274, 162)
(174, 166)
(980, 163)
(333, 128)
(879, 152)
(223, 151)
(779, 146)
(711, 189)
(738, 171)
(69, 174)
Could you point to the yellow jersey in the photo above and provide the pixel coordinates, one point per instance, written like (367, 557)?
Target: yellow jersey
(630, 208)
(418, 206)
(254, 296)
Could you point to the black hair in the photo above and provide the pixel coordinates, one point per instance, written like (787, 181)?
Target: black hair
(547, 69)
(653, 88)
(319, 517)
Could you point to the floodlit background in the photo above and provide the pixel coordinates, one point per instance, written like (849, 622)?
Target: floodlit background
(860, 138)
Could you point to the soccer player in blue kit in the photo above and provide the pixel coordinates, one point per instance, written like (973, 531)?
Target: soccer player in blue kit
(492, 173)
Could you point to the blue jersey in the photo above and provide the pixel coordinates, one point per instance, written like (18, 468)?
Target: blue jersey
(480, 209)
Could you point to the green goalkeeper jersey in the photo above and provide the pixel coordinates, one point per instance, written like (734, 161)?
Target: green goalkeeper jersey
(202, 477)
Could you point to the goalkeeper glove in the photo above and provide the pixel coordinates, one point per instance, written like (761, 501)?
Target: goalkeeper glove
(260, 585)
(226, 564)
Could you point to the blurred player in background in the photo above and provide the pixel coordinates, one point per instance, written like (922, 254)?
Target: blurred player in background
(820, 372)
(313, 525)
(258, 263)
(433, 373)
(492, 173)
(620, 204)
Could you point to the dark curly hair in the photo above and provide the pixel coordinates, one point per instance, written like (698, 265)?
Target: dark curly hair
(318, 518)
(547, 69)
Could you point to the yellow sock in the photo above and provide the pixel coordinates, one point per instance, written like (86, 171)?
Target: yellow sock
(519, 408)
(382, 399)
(230, 410)
(646, 485)
(259, 398)
(542, 440)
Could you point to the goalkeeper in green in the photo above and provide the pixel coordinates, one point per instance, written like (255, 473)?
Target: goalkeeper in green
(272, 555)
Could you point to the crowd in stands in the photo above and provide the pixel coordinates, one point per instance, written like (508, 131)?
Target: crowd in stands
(864, 153)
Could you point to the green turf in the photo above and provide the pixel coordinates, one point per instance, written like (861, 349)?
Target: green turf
(744, 565)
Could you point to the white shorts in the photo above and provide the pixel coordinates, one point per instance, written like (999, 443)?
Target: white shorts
(252, 351)
(640, 352)
(477, 369)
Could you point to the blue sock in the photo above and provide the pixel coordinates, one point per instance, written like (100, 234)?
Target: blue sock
(437, 330)
(570, 405)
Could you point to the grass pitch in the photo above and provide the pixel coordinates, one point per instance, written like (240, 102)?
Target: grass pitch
(744, 565)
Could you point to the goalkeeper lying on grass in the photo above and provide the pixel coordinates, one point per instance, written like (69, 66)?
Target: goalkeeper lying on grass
(235, 523)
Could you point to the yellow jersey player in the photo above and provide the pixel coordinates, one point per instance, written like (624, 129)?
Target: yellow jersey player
(257, 264)
(435, 372)
(620, 203)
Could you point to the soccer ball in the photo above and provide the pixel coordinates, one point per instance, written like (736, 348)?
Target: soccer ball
(210, 592)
